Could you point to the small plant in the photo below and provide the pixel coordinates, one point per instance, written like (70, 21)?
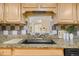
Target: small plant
(71, 29)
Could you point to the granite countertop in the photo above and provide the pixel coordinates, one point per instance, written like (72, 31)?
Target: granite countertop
(59, 44)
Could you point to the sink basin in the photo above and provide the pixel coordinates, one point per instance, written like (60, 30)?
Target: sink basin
(38, 41)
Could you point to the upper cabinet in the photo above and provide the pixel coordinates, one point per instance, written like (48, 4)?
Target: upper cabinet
(77, 13)
(39, 7)
(42, 5)
(66, 12)
(48, 5)
(1, 12)
(12, 12)
(29, 5)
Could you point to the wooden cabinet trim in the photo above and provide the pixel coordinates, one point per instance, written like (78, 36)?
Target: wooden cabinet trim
(37, 48)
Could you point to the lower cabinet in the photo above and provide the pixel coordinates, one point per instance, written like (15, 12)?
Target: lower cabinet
(31, 52)
(5, 52)
(38, 52)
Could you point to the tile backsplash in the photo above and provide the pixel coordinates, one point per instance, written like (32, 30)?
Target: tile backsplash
(13, 30)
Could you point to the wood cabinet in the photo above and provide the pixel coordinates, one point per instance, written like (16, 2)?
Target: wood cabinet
(31, 52)
(29, 5)
(48, 5)
(38, 52)
(12, 12)
(1, 12)
(36, 5)
(5, 52)
(66, 12)
(39, 7)
(77, 11)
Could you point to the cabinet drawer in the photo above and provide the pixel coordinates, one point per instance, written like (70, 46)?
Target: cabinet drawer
(37, 52)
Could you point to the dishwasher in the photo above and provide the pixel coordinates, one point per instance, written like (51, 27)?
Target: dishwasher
(71, 52)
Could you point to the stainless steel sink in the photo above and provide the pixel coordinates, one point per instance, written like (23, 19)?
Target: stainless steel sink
(38, 41)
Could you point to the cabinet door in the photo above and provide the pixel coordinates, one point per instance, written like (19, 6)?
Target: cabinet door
(1, 11)
(78, 12)
(37, 52)
(5, 52)
(67, 12)
(12, 12)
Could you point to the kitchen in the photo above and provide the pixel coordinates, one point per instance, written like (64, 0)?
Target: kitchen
(38, 28)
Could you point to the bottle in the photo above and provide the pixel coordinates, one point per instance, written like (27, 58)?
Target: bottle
(71, 38)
